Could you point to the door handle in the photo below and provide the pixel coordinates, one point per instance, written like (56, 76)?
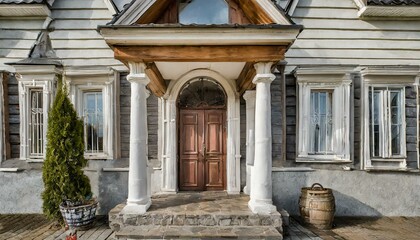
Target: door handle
(204, 149)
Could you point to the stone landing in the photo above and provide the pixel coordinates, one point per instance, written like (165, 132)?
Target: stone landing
(196, 215)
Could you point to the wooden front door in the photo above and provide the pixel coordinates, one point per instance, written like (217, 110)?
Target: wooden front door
(202, 145)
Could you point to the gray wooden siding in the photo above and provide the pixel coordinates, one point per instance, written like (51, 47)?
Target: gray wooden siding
(357, 121)
(14, 116)
(276, 123)
(75, 39)
(152, 122)
(16, 38)
(333, 34)
(411, 121)
(277, 120)
(291, 116)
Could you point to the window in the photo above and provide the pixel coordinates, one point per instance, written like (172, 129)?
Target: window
(93, 122)
(389, 118)
(321, 122)
(203, 12)
(36, 124)
(323, 117)
(95, 98)
(37, 86)
(386, 118)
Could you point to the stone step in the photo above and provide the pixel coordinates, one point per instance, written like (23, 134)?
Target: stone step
(194, 218)
(198, 232)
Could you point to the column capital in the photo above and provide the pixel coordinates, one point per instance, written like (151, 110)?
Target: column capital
(137, 73)
(264, 74)
(250, 95)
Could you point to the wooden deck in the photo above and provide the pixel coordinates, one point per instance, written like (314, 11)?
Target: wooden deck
(35, 226)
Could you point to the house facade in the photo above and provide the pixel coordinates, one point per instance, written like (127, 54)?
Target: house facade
(255, 97)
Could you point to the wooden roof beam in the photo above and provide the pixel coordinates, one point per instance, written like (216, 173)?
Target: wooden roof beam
(157, 84)
(209, 53)
(244, 81)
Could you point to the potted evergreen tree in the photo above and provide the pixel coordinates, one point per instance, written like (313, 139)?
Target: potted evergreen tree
(67, 191)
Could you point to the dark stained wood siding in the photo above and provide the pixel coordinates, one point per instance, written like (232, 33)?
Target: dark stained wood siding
(152, 122)
(13, 119)
(411, 121)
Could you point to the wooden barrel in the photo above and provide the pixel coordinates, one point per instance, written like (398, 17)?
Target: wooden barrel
(317, 206)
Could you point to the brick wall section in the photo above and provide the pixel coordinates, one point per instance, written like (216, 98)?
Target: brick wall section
(411, 121)
(14, 116)
(152, 122)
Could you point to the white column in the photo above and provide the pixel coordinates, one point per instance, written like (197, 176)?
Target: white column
(138, 200)
(249, 97)
(261, 184)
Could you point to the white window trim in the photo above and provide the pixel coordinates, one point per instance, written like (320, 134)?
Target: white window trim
(391, 77)
(81, 81)
(338, 80)
(30, 77)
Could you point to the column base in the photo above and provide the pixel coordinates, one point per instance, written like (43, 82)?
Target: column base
(262, 206)
(136, 208)
(247, 190)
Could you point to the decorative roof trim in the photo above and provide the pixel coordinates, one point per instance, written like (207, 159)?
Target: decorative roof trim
(136, 9)
(387, 12)
(30, 10)
(190, 35)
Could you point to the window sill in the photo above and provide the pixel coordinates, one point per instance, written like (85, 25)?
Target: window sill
(292, 169)
(384, 169)
(97, 157)
(321, 159)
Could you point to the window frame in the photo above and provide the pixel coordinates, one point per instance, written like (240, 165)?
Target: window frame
(82, 115)
(35, 76)
(41, 154)
(81, 81)
(386, 125)
(393, 77)
(336, 80)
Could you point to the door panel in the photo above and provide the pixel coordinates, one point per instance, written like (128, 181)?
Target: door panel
(191, 132)
(202, 150)
(214, 120)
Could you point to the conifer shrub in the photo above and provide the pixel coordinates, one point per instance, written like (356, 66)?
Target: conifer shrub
(62, 173)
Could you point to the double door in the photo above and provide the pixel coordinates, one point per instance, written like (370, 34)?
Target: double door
(202, 150)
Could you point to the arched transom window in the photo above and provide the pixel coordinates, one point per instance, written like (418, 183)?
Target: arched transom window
(202, 93)
(203, 12)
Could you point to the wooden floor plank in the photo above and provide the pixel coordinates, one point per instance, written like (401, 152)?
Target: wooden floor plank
(106, 234)
(98, 232)
(29, 228)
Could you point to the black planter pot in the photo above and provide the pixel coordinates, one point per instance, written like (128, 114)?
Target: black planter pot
(79, 217)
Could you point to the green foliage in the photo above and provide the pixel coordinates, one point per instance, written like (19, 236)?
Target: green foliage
(63, 167)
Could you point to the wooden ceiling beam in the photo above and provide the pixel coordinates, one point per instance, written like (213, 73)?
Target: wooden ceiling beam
(244, 81)
(199, 53)
(157, 84)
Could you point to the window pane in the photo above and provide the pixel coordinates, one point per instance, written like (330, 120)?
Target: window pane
(385, 122)
(396, 122)
(203, 12)
(93, 120)
(36, 124)
(375, 120)
(321, 122)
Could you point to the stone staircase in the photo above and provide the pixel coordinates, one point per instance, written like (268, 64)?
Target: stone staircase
(198, 216)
